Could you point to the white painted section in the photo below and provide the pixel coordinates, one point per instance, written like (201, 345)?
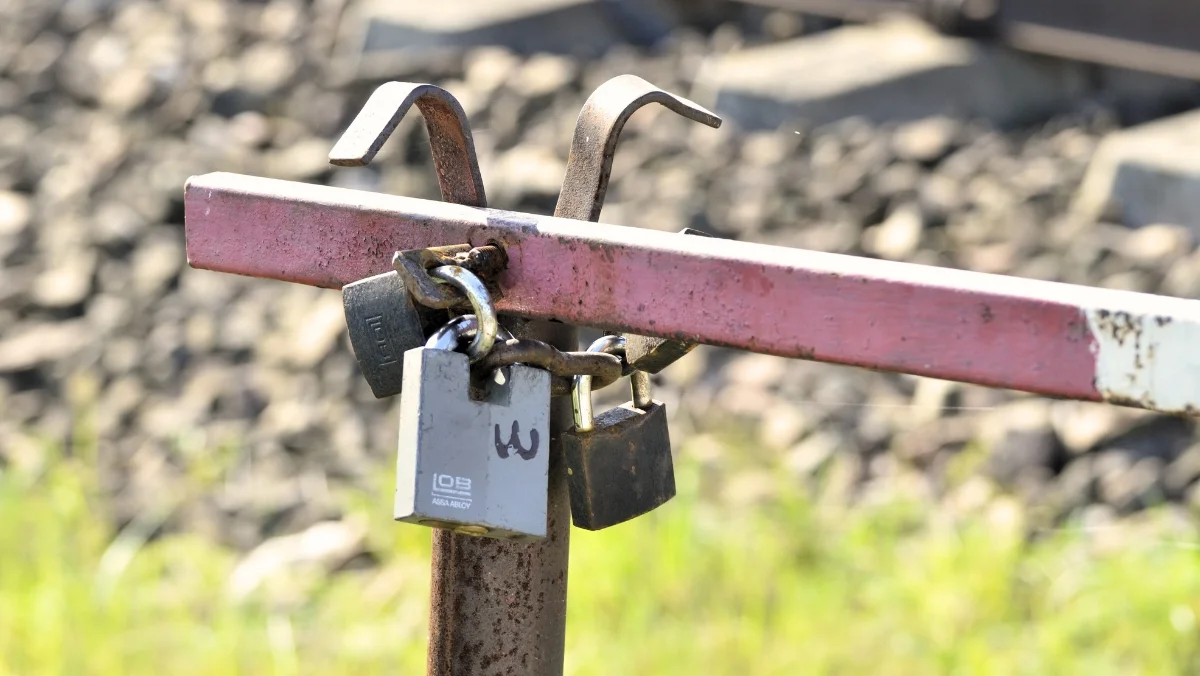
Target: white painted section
(1148, 358)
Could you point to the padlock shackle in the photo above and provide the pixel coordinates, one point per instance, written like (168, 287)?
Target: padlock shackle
(581, 393)
(640, 380)
(462, 326)
(487, 323)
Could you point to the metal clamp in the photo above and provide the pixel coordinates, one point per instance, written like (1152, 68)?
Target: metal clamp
(415, 266)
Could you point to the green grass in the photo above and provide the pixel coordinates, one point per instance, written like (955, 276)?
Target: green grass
(787, 587)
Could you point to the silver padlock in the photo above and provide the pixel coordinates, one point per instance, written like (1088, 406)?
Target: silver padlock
(474, 467)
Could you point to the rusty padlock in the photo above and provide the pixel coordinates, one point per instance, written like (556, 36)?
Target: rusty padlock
(619, 463)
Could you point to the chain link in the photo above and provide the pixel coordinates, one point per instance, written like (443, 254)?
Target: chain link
(605, 369)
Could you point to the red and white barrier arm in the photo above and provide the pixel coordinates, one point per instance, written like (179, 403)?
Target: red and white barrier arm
(1042, 337)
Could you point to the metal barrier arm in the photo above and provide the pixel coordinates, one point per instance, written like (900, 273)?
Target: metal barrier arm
(1042, 337)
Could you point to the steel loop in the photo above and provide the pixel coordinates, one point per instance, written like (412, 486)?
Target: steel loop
(463, 326)
(581, 393)
(481, 302)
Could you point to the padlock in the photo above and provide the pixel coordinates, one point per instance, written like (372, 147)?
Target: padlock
(619, 463)
(384, 323)
(474, 467)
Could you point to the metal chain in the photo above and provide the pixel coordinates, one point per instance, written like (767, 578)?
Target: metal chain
(605, 369)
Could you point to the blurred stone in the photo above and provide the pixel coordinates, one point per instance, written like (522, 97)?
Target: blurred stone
(316, 336)
(266, 67)
(68, 283)
(894, 70)
(1183, 279)
(1183, 471)
(281, 20)
(1074, 486)
(756, 369)
(925, 140)
(898, 236)
(300, 161)
(749, 488)
(381, 31)
(488, 68)
(782, 425)
(1082, 425)
(155, 263)
(32, 344)
(1158, 243)
(327, 545)
(747, 400)
(1128, 486)
(128, 89)
(971, 497)
(1147, 174)
(1022, 452)
(543, 74)
(115, 222)
(812, 453)
(15, 213)
(251, 129)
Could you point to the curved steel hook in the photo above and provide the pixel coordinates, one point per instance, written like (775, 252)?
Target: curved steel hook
(450, 139)
(595, 140)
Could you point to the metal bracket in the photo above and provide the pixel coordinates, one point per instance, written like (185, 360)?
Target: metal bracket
(413, 267)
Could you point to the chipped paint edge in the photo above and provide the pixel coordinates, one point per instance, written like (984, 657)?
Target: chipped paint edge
(1147, 360)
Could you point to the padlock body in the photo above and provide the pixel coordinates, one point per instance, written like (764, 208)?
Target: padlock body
(384, 323)
(482, 465)
(622, 468)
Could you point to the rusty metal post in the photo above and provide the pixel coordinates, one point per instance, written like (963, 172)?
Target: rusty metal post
(500, 607)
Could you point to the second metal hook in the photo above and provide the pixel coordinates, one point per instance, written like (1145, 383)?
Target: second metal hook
(595, 140)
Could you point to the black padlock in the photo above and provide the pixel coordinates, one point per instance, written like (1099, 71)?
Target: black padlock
(619, 463)
(384, 323)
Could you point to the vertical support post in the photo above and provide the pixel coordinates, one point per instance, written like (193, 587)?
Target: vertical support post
(500, 607)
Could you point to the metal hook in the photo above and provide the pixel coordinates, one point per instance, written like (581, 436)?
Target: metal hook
(588, 167)
(595, 140)
(450, 139)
